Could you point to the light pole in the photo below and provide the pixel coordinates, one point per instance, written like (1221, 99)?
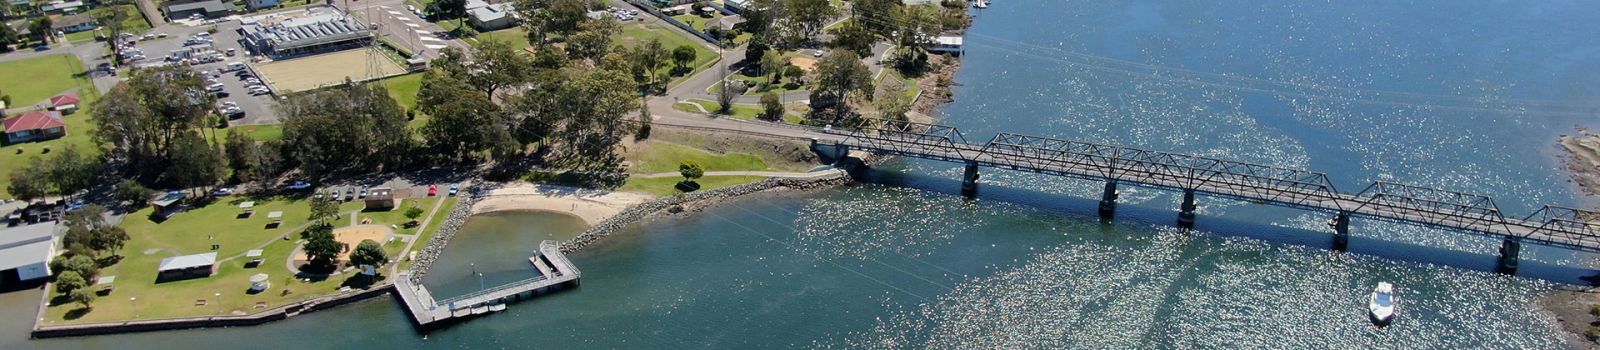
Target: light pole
(220, 308)
(480, 282)
(134, 301)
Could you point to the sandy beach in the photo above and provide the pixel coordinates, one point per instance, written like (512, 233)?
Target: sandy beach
(592, 206)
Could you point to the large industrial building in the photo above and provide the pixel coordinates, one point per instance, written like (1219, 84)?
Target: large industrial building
(25, 252)
(304, 32)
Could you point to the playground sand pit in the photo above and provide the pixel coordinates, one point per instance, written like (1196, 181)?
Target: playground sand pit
(353, 235)
(309, 73)
(806, 63)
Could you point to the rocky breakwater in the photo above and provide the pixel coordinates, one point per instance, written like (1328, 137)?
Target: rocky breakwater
(692, 201)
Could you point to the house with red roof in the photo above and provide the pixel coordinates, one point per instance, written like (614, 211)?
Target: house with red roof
(33, 126)
(66, 103)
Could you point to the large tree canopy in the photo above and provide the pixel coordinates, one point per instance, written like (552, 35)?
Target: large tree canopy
(351, 128)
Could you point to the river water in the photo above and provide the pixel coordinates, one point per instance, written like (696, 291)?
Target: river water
(1467, 95)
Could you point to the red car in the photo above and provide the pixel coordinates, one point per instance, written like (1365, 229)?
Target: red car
(433, 190)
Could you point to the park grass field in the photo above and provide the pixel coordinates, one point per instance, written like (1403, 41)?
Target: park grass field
(516, 36)
(225, 293)
(436, 219)
(666, 186)
(32, 81)
(654, 156)
(741, 111)
(308, 73)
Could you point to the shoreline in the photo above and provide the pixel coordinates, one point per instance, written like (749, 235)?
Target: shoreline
(1570, 306)
(590, 205)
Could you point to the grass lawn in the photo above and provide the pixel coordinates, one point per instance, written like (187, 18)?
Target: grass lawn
(32, 81)
(514, 35)
(741, 111)
(660, 157)
(437, 220)
(636, 33)
(263, 132)
(697, 22)
(666, 186)
(194, 231)
(911, 86)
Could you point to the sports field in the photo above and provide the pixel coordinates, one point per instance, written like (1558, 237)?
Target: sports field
(308, 73)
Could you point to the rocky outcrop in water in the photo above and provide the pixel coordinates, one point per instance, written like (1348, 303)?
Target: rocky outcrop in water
(690, 202)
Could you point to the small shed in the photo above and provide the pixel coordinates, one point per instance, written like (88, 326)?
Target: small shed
(255, 258)
(187, 267)
(169, 203)
(381, 198)
(275, 217)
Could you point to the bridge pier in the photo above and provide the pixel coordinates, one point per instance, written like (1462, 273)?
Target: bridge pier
(969, 180)
(1108, 200)
(1186, 210)
(1509, 250)
(1340, 223)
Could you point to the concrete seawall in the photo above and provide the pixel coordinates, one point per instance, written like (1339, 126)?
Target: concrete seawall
(275, 314)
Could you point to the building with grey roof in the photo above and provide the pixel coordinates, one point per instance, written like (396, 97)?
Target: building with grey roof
(186, 267)
(487, 17)
(25, 252)
(309, 31)
(181, 9)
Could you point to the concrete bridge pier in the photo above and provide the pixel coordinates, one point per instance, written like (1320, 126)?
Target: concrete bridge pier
(1340, 223)
(1108, 200)
(1509, 250)
(969, 180)
(1186, 210)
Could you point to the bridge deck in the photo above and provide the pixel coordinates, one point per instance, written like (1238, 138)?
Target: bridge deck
(1462, 212)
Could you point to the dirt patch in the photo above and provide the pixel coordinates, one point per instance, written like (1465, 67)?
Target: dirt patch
(353, 235)
(1571, 309)
(807, 63)
(778, 153)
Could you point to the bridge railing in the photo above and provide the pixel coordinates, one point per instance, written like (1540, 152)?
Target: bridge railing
(1564, 226)
(496, 289)
(1432, 206)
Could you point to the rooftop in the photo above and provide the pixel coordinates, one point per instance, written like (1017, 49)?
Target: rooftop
(34, 120)
(188, 261)
(285, 30)
(26, 245)
(208, 5)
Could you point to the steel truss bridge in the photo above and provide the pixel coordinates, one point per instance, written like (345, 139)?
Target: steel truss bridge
(1454, 211)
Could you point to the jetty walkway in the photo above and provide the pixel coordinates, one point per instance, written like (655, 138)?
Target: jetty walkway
(554, 271)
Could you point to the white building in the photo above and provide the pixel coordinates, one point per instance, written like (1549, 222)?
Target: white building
(950, 44)
(25, 252)
(488, 17)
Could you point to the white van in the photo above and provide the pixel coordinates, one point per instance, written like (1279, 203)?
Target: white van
(234, 66)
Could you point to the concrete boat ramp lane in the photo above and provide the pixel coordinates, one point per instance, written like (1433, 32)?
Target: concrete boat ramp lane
(555, 271)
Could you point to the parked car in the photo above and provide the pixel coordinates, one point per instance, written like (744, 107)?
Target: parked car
(222, 191)
(299, 185)
(363, 194)
(333, 193)
(41, 47)
(455, 188)
(349, 194)
(433, 190)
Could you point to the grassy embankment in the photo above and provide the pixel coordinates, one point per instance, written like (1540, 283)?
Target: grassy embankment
(664, 156)
(742, 111)
(226, 292)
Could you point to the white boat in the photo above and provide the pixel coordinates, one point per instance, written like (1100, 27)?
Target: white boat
(1382, 303)
(982, 4)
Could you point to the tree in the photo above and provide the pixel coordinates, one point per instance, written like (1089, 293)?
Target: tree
(648, 58)
(82, 297)
(321, 247)
(759, 17)
(352, 127)
(449, 9)
(83, 265)
(244, 155)
(413, 213)
(27, 183)
(840, 75)
(194, 162)
(140, 119)
(593, 41)
(87, 227)
(135, 194)
(323, 208)
(468, 124)
(69, 281)
(8, 37)
(682, 56)
(111, 18)
(807, 17)
(368, 252)
(40, 30)
(772, 63)
(499, 65)
(593, 110)
(72, 171)
(690, 171)
(851, 35)
(893, 104)
(795, 74)
(771, 107)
